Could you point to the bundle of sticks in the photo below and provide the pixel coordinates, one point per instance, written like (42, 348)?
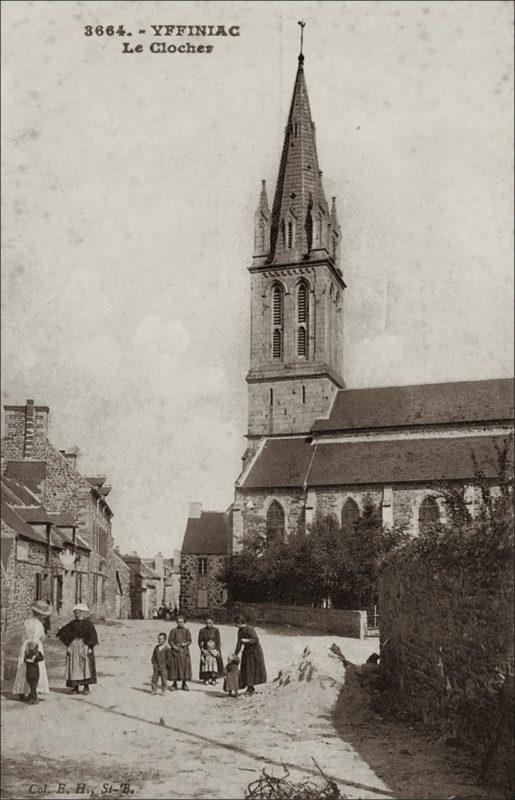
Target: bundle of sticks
(271, 788)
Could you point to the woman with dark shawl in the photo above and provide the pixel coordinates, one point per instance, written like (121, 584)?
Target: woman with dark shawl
(252, 669)
(180, 665)
(210, 634)
(80, 637)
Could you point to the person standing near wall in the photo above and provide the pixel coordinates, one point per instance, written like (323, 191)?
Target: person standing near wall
(33, 631)
(210, 634)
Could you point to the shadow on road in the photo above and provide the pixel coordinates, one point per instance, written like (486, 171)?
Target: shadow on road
(414, 765)
(263, 760)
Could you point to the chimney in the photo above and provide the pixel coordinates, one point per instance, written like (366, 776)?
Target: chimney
(159, 565)
(25, 424)
(195, 511)
(71, 457)
(30, 429)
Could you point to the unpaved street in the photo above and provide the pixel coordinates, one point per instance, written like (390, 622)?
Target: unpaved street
(203, 744)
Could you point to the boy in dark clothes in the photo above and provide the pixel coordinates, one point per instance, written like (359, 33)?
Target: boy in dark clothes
(161, 660)
(32, 658)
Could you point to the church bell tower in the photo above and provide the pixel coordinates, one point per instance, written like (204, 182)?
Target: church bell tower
(296, 348)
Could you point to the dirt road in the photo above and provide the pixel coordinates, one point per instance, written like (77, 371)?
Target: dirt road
(203, 744)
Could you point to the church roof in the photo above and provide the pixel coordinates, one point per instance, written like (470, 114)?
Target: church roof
(299, 183)
(294, 463)
(209, 534)
(426, 404)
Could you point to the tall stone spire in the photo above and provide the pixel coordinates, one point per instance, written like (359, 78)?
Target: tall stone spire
(300, 214)
(262, 225)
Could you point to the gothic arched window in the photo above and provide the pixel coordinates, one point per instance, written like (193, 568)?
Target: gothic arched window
(290, 234)
(350, 512)
(275, 522)
(277, 322)
(428, 514)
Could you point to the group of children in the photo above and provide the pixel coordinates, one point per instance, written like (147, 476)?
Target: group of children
(171, 660)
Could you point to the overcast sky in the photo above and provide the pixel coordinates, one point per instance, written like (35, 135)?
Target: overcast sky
(129, 189)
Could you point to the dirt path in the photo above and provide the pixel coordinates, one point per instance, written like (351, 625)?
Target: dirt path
(203, 744)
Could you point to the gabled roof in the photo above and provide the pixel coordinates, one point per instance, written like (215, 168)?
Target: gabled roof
(424, 404)
(209, 534)
(295, 463)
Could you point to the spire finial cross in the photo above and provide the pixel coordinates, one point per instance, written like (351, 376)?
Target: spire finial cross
(302, 26)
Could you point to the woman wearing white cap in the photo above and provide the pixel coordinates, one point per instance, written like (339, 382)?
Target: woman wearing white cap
(80, 637)
(33, 631)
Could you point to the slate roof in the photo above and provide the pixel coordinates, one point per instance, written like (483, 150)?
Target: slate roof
(425, 404)
(372, 461)
(29, 473)
(16, 494)
(282, 462)
(19, 526)
(209, 534)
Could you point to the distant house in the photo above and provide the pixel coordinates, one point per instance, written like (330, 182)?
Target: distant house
(120, 578)
(168, 570)
(206, 546)
(144, 587)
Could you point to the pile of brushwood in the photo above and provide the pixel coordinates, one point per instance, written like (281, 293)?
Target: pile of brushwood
(271, 788)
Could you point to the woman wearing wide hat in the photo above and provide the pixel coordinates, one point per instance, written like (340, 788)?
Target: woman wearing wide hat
(80, 637)
(33, 631)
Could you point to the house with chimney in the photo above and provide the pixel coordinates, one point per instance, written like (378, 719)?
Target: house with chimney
(168, 586)
(53, 477)
(206, 546)
(43, 555)
(144, 587)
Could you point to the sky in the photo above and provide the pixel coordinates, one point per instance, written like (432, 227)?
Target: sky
(130, 183)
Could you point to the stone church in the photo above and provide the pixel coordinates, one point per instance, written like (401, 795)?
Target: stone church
(314, 445)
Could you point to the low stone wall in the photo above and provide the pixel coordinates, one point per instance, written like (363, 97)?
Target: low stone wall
(342, 622)
(447, 641)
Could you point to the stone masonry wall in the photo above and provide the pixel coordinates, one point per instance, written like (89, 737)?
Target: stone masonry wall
(341, 622)
(192, 583)
(447, 642)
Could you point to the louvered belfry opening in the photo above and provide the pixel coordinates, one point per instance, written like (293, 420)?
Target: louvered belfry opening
(302, 320)
(277, 322)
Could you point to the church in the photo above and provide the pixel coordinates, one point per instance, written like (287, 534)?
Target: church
(315, 446)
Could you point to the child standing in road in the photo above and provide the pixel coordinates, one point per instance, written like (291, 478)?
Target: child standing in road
(161, 660)
(209, 663)
(32, 658)
(232, 674)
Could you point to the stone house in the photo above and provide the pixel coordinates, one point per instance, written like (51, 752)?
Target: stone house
(52, 475)
(313, 444)
(48, 559)
(144, 585)
(206, 546)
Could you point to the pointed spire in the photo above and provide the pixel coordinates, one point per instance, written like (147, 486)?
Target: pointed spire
(262, 225)
(300, 215)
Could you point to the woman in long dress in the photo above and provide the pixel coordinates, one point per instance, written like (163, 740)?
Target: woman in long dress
(33, 631)
(80, 637)
(252, 669)
(180, 665)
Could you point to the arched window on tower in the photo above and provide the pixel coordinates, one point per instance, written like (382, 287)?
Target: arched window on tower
(275, 523)
(350, 512)
(277, 322)
(290, 234)
(428, 514)
(302, 319)
(283, 231)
